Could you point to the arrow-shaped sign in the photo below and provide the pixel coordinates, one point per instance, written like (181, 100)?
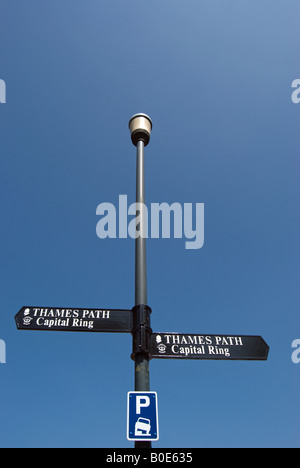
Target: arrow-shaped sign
(191, 346)
(66, 319)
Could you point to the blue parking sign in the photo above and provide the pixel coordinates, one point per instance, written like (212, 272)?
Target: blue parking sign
(142, 416)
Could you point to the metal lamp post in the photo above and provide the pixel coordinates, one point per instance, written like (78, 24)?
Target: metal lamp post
(145, 344)
(140, 126)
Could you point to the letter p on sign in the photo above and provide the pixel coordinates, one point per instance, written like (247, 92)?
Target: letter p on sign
(142, 401)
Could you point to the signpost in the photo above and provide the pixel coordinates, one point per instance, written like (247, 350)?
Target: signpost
(234, 347)
(142, 423)
(66, 319)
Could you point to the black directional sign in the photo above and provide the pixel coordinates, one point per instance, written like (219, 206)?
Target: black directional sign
(66, 319)
(190, 346)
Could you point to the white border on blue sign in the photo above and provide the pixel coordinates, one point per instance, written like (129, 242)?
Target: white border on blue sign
(156, 409)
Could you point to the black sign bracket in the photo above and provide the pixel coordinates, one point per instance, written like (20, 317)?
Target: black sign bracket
(141, 331)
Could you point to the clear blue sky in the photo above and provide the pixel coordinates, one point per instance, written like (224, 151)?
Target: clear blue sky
(215, 76)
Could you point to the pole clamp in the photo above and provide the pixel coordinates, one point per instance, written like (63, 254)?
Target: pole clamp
(141, 330)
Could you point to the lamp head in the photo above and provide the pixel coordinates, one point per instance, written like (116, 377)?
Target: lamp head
(140, 126)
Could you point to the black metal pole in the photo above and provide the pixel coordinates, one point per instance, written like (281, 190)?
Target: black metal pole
(142, 377)
(140, 242)
(140, 126)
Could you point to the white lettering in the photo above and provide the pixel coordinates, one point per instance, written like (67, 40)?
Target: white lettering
(198, 234)
(160, 221)
(296, 93)
(238, 341)
(105, 314)
(106, 227)
(123, 216)
(2, 352)
(165, 210)
(229, 341)
(296, 353)
(2, 92)
(117, 458)
(83, 323)
(142, 401)
(140, 211)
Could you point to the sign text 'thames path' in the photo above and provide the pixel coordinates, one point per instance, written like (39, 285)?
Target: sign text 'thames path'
(234, 347)
(64, 319)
